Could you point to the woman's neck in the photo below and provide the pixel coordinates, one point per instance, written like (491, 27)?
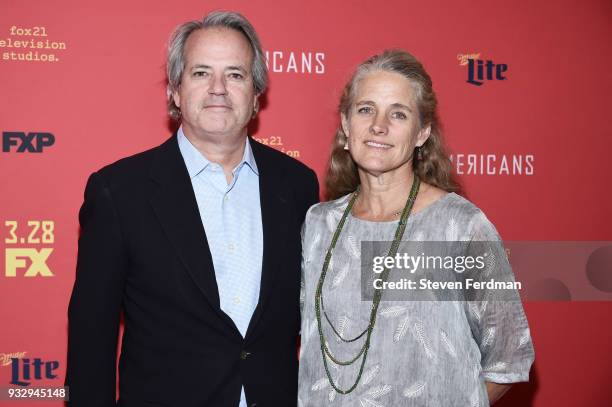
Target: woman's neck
(382, 197)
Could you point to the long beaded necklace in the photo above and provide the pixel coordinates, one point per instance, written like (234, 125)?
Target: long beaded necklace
(319, 304)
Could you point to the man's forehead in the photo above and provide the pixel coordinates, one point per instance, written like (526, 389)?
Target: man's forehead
(218, 46)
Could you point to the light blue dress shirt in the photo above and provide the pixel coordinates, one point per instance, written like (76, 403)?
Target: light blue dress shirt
(231, 215)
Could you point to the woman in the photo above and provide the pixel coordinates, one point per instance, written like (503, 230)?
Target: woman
(392, 179)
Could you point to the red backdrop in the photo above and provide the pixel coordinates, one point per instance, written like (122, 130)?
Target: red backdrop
(531, 149)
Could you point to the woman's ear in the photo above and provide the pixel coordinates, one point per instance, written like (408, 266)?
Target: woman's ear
(345, 125)
(423, 135)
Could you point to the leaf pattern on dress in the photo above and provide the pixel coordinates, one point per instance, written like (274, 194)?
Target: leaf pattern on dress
(340, 275)
(352, 246)
(364, 402)
(313, 245)
(485, 303)
(451, 232)
(475, 399)
(331, 221)
(415, 390)
(495, 367)
(418, 236)
(370, 374)
(343, 324)
(475, 310)
(524, 339)
(320, 384)
(393, 311)
(491, 264)
(309, 327)
(332, 395)
(488, 337)
(419, 333)
(379, 391)
(447, 344)
(401, 330)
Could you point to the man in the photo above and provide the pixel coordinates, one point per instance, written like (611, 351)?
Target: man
(197, 241)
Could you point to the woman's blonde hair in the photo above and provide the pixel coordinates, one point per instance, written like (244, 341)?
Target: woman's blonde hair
(434, 168)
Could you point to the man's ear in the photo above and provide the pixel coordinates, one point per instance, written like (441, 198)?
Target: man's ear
(176, 96)
(256, 105)
(423, 135)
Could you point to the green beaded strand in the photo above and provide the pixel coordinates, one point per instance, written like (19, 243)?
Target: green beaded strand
(399, 232)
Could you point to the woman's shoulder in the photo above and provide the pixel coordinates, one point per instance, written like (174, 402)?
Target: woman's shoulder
(323, 209)
(459, 211)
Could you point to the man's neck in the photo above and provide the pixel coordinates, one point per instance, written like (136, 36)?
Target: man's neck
(227, 152)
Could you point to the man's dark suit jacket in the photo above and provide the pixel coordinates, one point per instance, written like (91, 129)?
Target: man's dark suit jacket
(143, 250)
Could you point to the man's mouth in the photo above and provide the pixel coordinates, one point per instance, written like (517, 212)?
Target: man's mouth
(216, 106)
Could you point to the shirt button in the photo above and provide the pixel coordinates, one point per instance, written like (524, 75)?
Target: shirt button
(230, 247)
(226, 198)
(236, 300)
(244, 354)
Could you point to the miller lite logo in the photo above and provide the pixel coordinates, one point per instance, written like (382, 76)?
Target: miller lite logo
(480, 71)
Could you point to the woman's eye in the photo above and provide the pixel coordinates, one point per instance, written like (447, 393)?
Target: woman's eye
(399, 115)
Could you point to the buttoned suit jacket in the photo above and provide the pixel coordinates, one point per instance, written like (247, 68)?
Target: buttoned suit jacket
(143, 254)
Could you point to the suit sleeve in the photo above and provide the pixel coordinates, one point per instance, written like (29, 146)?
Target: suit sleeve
(312, 191)
(95, 304)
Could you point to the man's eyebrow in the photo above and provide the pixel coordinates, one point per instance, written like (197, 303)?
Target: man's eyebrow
(228, 68)
(199, 66)
(236, 68)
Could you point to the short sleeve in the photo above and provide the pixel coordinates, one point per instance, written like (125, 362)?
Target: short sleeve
(498, 322)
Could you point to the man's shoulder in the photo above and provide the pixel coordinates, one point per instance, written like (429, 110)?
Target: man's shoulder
(132, 168)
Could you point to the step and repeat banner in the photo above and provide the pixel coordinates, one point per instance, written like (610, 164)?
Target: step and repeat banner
(524, 98)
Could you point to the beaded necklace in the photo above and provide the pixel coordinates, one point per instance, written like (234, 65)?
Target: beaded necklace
(320, 306)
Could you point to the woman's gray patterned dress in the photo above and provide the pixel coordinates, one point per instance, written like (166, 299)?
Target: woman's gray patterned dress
(422, 353)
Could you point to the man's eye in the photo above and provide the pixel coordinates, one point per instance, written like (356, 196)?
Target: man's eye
(200, 73)
(365, 110)
(399, 115)
(236, 75)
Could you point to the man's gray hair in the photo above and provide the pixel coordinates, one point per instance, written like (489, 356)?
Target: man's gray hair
(175, 64)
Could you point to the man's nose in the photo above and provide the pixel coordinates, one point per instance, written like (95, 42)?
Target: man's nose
(217, 85)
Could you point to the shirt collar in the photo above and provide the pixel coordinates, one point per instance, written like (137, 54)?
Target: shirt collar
(196, 162)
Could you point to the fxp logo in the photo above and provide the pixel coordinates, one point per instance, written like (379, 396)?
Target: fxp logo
(20, 142)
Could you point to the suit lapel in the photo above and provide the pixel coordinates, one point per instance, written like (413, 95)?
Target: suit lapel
(175, 205)
(274, 209)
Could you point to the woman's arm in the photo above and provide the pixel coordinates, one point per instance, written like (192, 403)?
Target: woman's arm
(495, 391)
